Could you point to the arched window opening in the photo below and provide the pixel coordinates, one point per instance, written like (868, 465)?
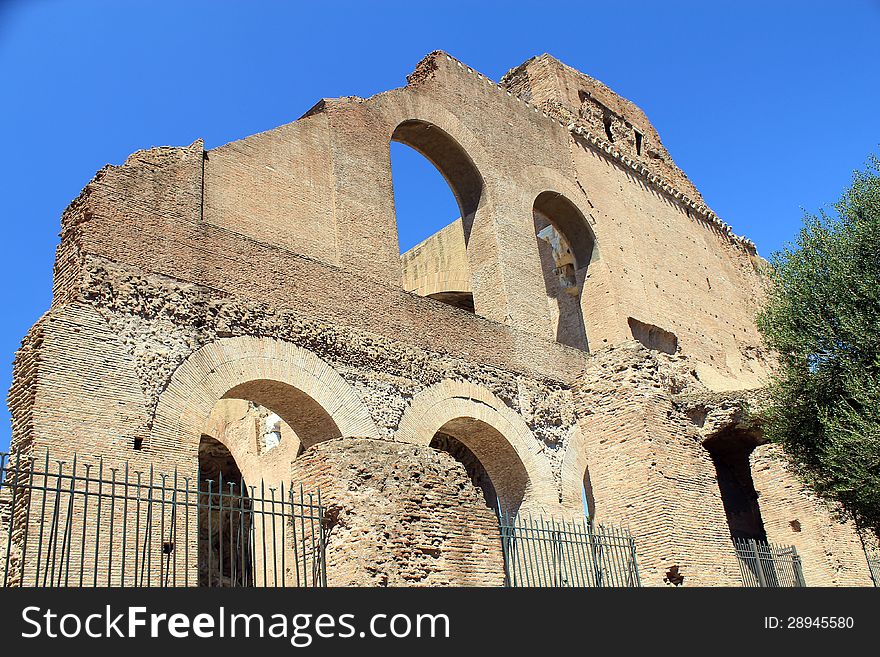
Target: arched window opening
(225, 555)
(489, 459)
(437, 190)
(565, 246)
(423, 202)
(730, 451)
(248, 441)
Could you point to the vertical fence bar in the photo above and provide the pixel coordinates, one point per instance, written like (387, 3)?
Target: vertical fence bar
(67, 543)
(296, 507)
(186, 564)
(98, 522)
(112, 525)
(162, 530)
(210, 540)
(53, 532)
(43, 490)
(241, 564)
(4, 475)
(263, 527)
(172, 538)
(27, 515)
(124, 527)
(220, 529)
(138, 579)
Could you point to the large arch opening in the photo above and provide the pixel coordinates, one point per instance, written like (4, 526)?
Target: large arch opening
(489, 459)
(565, 246)
(253, 433)
(434, 182)
(311, 398)
(266, 424)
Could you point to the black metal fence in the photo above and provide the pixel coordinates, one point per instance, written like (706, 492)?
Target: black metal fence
(540, 552)
(90, 524)
(765, 564)
(874, 567)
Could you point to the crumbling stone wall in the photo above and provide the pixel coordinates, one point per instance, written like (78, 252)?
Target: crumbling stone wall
(401, 515)
(653, 475)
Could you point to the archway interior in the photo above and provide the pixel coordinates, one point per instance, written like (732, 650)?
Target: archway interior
(565, 245)
(730, 451)
(225, 521)
(489, 459)
(308, 421)
(248, 441)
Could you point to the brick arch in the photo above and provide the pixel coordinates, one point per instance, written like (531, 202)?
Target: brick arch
(278, 373)
(506, 446)
(403, 107)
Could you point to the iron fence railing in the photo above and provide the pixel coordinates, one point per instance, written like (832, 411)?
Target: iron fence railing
(81, 523)
(874, 567)
(541, 552)
(764, 564)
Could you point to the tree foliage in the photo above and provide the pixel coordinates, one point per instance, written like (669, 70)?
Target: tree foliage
(822, 317)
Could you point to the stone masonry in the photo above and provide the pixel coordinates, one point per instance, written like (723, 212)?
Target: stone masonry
(585, 329)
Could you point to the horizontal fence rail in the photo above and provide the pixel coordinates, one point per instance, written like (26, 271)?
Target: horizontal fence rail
(764, 564)
(83, 523)
(541, 552)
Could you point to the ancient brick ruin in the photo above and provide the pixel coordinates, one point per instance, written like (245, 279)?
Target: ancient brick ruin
(585, 329)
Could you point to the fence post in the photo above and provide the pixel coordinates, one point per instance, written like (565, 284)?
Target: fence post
(635, 565)
(798, 570)
(759, 566)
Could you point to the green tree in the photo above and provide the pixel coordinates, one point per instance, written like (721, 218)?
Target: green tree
(822, 317)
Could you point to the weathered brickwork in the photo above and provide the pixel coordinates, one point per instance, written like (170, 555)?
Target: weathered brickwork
(587, 325)
(402, 515)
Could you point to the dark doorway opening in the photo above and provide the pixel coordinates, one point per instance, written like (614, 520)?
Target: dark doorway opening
(730, 453)
(225, 519)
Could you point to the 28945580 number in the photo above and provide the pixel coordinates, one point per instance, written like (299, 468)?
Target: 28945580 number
(820, 622)
(809, 622)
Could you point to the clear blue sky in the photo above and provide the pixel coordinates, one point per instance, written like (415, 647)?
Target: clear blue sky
(767, 106)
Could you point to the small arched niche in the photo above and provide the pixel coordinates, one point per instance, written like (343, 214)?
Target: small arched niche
(566, 246)
(489, 459)
(434, 248)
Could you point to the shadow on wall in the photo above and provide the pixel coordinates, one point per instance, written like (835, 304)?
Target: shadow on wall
(489, 459)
